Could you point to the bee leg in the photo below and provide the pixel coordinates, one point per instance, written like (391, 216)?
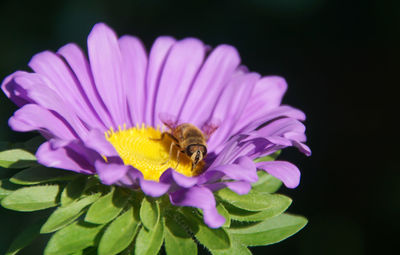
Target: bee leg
(170, 153)
(177, 158)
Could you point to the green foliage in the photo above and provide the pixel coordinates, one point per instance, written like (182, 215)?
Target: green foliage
(32, 198)
(213, 239)
(253, 201)
(7, 187)
(92, 218)
(120, 233)
(148, 242)
(16, 158)
(266, 183)
(277, 205)
(67, 214)
(107, 207)
(25, 238)
(177, 240)
(270, 231)
(41, 174)
(73, 190)
(149, 213)
(75, 237)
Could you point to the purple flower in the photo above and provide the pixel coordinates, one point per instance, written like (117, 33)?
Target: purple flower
(102, 116)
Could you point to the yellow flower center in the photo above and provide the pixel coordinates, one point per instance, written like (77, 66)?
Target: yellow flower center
(143, 148)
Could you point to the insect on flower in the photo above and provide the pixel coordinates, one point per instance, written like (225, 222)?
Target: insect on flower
(188, 139)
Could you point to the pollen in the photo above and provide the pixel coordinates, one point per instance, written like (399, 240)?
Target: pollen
(143, 148)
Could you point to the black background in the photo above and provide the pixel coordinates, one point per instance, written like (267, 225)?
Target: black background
(340, 59)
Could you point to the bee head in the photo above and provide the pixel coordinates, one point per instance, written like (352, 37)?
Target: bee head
(196, 152)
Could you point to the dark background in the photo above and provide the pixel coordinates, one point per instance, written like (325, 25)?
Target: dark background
(340, 59)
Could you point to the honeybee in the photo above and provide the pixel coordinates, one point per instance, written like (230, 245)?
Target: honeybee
(188, 139)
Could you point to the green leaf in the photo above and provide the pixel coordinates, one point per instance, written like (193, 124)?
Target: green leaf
(236, 248)
(73, 238)
(266, 183)
(221, 210)
(148, 242)
(25, 238)
(120, 233)
(149, 213)
(213, 239)
(65, 215)
(277, 205)
(269, 231)
(40, 174)
(73, 190)
(270, 157)
(107, 207)
(16, 158)
(87, 251)
(32, 198)
(253, 201)
(6, 188)
(177, 240)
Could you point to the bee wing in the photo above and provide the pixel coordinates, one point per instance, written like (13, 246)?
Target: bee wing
(168, 120)
(209, 128)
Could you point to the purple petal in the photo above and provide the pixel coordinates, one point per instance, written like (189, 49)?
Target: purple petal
(267, 95)
(135, 64)
(158, 54)
(230, 106)
(302, 147)
(34, 117)
(64, 83)
(279, 112)
(199, 197)
(78, 63)
(171, 176)
(211, 80)
(110, 173)
(74, 157)
(245, 170)
(240, 187)
(35, 87)
(96, 140)
(9, 87)
(106, 64)
(153, 188)
(181, 66)
(288, 173)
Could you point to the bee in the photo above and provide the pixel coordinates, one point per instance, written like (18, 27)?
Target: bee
(188, 139)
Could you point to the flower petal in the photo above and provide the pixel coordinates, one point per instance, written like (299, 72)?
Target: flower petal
(171, 176)
(153, 188)
(73, 156)
(96, 140)
(34, 117)
(245, 170)
(106, 64)
(199, 197)
(78, 63)
(230, 106)
(9, 87)
(35, 88)
(288, 173)
(135, 64)
(240, 187)
(110, 173)
(158, 54)
(64, 83)
(181, 66)
(211, 80)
